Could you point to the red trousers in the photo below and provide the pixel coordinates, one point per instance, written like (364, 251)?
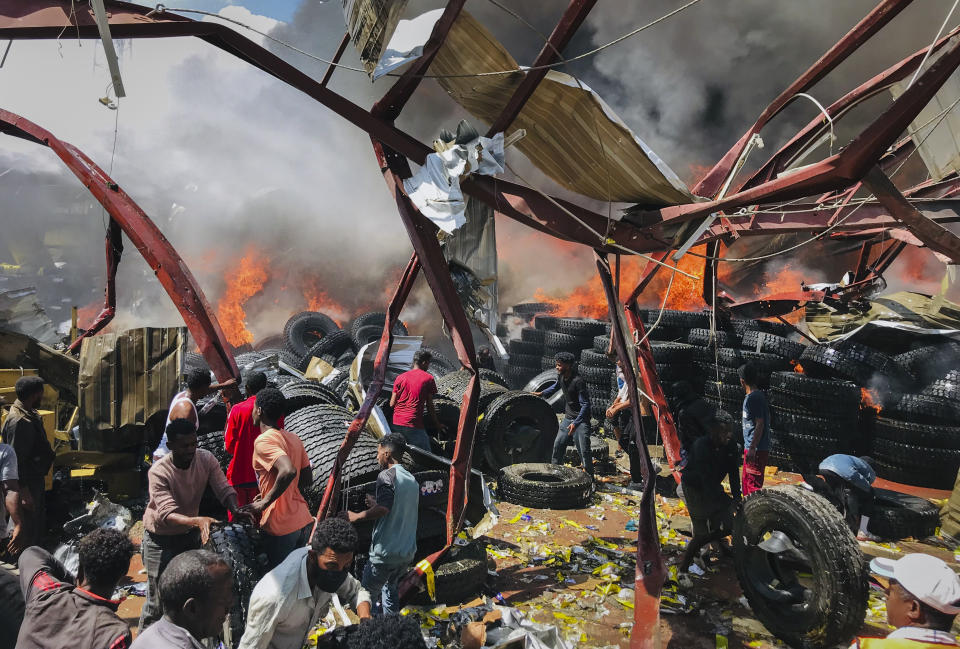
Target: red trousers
(753, 472)
(245, 496)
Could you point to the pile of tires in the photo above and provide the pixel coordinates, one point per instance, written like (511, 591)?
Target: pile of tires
(812, 418)
(305, 329)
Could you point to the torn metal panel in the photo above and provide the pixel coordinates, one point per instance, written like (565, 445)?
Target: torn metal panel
(125, 378)
(475, 246)
(21, 312)
(57, 369)
(889, 315)
(563, 120)
(371, 23)
(941, 154)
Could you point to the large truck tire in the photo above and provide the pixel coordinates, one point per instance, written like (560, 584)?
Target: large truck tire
(459, 575)
(823, 610)
(239, 545)
(544, 486)
(517, 427)
(303, 330)
(300, 394)
(899, 516)
(11, 609)
(322, 429)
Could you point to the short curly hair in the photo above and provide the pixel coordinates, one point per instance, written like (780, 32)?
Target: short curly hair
(566, 358)
(336, 534)
(105, 556)
(272, 403)
(198, 379)
(387, 632)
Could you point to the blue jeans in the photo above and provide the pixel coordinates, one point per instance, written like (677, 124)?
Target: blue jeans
(581, 437)
(414, 436)
(278, 548)
(381, 581)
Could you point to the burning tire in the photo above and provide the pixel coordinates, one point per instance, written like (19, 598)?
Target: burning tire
(300, 394)
(303, 330)
(517, 427)
(803, 535)
(240, 548)
(11, 608)
(322, 429)
(544, 486)
(898, 516)
(759, 341)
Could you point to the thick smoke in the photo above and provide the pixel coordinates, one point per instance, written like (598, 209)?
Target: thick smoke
(222, 156)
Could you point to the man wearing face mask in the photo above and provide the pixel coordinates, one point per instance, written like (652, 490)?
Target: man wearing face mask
(294, 596)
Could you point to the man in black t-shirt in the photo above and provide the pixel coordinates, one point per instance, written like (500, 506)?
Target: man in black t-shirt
(576, 413)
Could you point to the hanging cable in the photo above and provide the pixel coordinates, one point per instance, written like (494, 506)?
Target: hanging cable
(935, 39)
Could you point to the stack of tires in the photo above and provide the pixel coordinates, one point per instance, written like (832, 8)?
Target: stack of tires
(811, 419)
(525, 354)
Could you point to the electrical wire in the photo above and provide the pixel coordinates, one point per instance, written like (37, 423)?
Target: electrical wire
(935, 39)
(160, 8)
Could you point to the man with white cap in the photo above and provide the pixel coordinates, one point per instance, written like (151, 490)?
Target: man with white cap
(923, 598)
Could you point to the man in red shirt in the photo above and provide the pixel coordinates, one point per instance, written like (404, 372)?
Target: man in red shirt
(238, 439)
(412, 391)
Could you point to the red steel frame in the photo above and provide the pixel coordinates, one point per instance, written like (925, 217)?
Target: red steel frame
(836, 176)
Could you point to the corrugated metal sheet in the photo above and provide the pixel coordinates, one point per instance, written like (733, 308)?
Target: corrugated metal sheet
(371, 23)
(126, 378)
(572, 135)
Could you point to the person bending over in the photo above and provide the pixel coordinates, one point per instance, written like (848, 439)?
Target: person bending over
(710, 460)
(923, 599)
(289, 601)
(171, 522)
(80, 614)
(847, 482)
(197, 593)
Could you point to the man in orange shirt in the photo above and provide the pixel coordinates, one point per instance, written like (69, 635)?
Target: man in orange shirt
(238, 440)
(283, 469)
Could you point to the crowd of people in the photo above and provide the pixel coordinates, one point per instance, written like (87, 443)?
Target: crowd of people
(190, 590)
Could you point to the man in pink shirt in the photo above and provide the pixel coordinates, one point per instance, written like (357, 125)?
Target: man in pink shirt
(171, 524)
(412, 392)
(283, 471)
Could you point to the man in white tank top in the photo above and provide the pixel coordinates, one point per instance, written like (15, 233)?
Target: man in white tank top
(183, 405)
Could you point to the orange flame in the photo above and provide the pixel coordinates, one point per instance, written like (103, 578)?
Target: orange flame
(243, 282)
(797, 367)
(319, 300)
(589, 301)
(868, 399)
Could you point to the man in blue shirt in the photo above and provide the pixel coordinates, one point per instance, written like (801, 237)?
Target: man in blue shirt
(394, 506)
(576, 414)
(756, 429)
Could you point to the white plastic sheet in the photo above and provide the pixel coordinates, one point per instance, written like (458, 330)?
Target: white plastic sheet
(407, 42)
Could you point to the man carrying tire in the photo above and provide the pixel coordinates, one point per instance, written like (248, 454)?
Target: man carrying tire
(238, 438)
(171, 524)
(756, 429)
(711, 459)
(23, 430)
(81, 614)
(576, 413)
(283, 472)
(412, 394)
(923, 599)
(289, 601)
(394, 506)
(197, 592)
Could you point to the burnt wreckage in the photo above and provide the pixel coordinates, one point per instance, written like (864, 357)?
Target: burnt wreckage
(668, 217)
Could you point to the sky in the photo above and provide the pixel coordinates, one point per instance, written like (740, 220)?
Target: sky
(223, 157)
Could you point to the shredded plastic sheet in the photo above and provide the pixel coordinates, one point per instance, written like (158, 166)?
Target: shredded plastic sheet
(407, 42)
(435, 187)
